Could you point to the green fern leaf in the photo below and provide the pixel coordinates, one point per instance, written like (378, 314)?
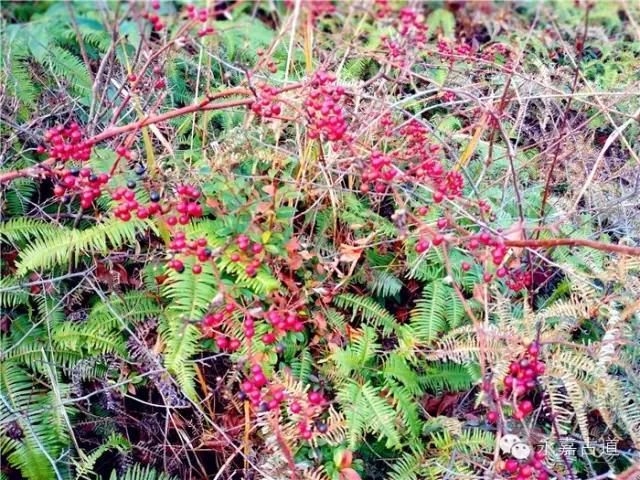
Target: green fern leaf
(428, 317)
(368, 310)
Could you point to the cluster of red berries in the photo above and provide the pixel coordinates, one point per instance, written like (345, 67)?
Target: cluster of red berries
(316, 402)
(418, 144)
(196, 248)
(242, 243)
(281, 323)
(519, 279)
(499, 250)
(271, 65)
(263, 394)
(82, 182)
(379, 169)
(423, 244)
(266, 104)
(387, 124)
(228, 344)
(451, 184)
(128, 204)
(324, 109)
(451, 52)
(382, 8)
(266, 396)
(153, 18)
(260, 394)
(515, 279)
(201, 15)
(187, 207)
(412, 26)
(447, 184)
(489, 53)
(316, 8)
(411, 30)
(66, 143)
(521, 381)
(156, 83)
(214, 320)
(534, 468)
(448, 96)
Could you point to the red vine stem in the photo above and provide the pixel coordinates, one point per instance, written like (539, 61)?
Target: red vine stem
(286, 452)
(111, 132)
(573, 242)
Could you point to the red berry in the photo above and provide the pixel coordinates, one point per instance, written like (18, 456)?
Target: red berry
(295, 407)
(422, 246)
(315, 398)
(208, 321)
(465, 266)
(268, 338)
(196, 268)
(234, 344)
(511, 465)
(526, 407)
(492, 416)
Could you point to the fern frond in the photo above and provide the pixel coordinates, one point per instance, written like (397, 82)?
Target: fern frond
(23, 229)
(140, 472)
(190, 294)
(182, 342)
(132, 307)
(367, 411)
(428, 317)
(368, 309)
(67, 246)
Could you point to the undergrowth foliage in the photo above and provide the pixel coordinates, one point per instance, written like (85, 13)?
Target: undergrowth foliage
(319, 240)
